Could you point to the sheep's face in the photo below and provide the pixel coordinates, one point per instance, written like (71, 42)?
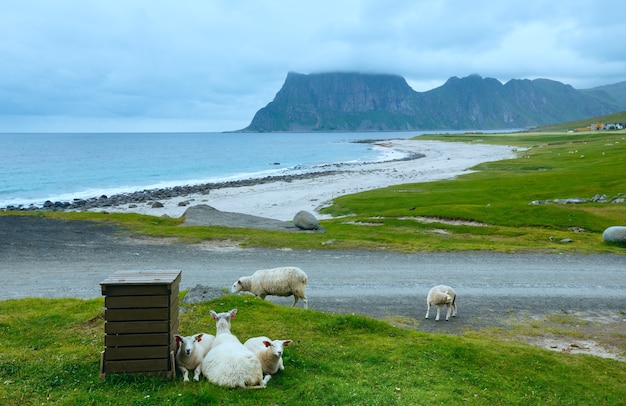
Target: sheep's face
(277, 346)
(448, 299)
(186, 344)
(236, 287)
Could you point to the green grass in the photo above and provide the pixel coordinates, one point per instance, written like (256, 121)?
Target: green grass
(497, 196)
(50, 353)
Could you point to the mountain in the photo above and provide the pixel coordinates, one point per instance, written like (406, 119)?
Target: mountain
(380, 102)
(339, 102)
(615, 92)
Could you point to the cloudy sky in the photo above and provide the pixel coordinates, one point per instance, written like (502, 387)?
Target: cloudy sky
(209, 65)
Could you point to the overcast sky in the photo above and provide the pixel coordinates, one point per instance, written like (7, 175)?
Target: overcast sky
(209, 65)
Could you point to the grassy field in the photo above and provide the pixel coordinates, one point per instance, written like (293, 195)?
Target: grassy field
(491, 208)
(487, 209)
(50, 354)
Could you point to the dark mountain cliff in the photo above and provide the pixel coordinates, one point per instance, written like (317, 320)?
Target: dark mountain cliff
(377, 102)
(339, 102)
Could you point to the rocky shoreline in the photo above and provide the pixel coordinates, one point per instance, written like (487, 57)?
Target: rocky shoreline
(153, 196)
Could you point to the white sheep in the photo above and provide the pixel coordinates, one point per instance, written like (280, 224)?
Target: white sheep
(228, 363)
(282, 281)
(190, 353)
(269, 352)
(440, 295)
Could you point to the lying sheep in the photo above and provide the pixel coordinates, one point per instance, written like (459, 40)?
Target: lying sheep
(190, 353)
(440, 295)
(283, 281)
(269, 352)
(228, 363)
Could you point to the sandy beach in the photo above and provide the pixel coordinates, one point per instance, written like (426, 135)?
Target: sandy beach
(281, 200)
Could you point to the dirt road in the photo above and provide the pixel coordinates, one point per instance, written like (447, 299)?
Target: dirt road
(46, 258)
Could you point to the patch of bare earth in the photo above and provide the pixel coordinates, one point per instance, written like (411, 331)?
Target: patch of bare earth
(571, 345)
(420, 219)
(452, 222)
(601, 334)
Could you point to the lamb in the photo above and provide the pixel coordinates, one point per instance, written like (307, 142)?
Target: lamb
(190, 353)
(440, 295)
(228, 363)
(282, 281)
(269, 352)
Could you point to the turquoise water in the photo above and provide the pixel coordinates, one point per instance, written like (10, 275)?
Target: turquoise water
(60, 167)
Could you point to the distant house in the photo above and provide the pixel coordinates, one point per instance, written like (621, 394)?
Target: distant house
(613, 126)
(602, 126)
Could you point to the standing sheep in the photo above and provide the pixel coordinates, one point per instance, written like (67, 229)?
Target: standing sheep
(440, 295)
(191, 351)
(269, 352)
(229, 363)
(283, 281)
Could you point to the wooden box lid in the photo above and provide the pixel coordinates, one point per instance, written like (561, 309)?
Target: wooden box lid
(141, 278)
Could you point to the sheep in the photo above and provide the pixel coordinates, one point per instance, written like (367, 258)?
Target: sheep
(190, 353)
(269, 352)
(282, 281)
(228, 363)
(440, 295)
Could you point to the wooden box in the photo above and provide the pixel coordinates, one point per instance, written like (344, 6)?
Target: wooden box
(141, 318)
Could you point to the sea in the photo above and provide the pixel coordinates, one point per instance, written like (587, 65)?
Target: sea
(37, 167)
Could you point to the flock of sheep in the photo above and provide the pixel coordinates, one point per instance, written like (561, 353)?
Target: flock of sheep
(223, 360)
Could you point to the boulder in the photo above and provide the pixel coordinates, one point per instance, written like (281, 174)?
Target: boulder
(205, 215)
(202, 293)
(306, 221)
(615, 234)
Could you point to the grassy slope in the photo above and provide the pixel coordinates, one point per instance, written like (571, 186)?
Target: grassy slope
(50, 353)
(609, 118)
(498, 195)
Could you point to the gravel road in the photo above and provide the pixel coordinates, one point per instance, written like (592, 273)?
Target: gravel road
(50, 258)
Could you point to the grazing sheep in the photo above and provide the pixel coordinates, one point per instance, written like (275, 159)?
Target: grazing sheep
(283, 281)
(269, 352)
(440, 295)
(228, 363)
(191, 351)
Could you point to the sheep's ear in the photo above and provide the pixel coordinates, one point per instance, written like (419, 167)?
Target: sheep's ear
(178, 338)
(233, 313)
(213, 314)
(267, 343)
(199, 337)
(287, 342)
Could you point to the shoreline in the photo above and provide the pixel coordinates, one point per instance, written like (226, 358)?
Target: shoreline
(281, 196)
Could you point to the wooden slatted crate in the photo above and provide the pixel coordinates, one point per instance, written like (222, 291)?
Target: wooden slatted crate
(141, 318)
